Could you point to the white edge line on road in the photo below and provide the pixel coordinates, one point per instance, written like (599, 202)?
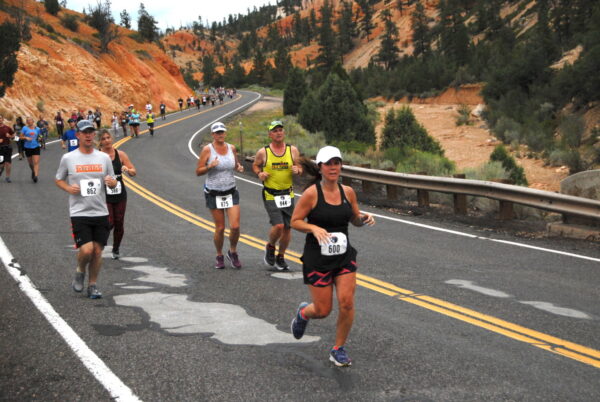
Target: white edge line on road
(115, 387)
(512, 243)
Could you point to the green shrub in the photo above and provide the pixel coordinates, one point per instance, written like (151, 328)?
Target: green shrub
(70, 22)
(395, 154)
(144, 55)
(403, 130)
(488, 171)
(351, 146)
(136, 37)
(432, 164)
(506, 128)
(571, 129)
(464, 116)
(515, 173)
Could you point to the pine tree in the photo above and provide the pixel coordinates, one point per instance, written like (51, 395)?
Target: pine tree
(52, 6)
(294, 93)
(125, 19)
(283, 63)
(454, 38)
(9, 65)
(388, 51)
(147, 25)
(327, 50)
(346, 28)
(420, 28)
(209, 71)
(100, 17)
(366, 23)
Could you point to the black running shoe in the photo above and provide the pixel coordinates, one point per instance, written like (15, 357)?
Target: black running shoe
(269, 255)
(280, 263)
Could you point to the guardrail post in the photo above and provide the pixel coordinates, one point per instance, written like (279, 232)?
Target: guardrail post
(422, 195)
(506, 211)
(346, 181)
(367, 186)
(460, 200)
(390, 190)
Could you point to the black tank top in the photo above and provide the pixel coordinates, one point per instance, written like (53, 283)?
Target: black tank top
(118, 168)
(333, 218)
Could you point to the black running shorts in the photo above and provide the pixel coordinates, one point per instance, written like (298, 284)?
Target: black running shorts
(323, 279)
(32, 151)
(87, 229)
(6, 154)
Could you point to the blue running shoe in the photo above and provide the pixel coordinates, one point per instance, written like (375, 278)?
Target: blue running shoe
(298, 323)
(339, 357)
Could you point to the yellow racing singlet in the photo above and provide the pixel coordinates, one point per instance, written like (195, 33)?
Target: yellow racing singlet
(279, 169)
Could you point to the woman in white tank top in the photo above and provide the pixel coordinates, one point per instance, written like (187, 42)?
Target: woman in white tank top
(218, 160)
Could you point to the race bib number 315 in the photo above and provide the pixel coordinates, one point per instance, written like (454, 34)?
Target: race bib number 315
(337, 245)
(90, 187)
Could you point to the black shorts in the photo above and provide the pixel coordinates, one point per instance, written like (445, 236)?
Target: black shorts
(323, 279)
(211, 200)
(87, 229)
(134, 124)
(6, 154)
(32, 151)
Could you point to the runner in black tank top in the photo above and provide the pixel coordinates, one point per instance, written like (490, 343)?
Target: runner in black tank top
(329, 259)
(116, 199)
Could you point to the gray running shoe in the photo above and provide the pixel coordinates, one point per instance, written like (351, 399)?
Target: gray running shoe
(234, 260)
(78, 281)
(93, 292)
(298, 323)
(8, 180)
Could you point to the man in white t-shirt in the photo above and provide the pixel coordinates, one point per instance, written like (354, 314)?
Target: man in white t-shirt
(148, 107)
(84, 173)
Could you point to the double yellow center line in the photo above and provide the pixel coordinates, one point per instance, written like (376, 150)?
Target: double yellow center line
(534, 338)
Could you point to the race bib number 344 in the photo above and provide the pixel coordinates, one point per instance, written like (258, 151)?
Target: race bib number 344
(337, 245)
(90, 187)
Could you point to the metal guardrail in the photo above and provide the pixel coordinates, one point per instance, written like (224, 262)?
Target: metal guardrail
(505, 193)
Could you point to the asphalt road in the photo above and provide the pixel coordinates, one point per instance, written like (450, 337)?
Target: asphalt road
(444, 313)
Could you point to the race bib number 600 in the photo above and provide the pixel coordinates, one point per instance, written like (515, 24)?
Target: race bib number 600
(283, 201)
(224, 201)
(337, 245)
(90, 187)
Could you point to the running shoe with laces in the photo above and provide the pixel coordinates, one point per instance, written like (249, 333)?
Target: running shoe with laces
(220, 262)
(93, 292)
(234, 260)
(280, 263)
(298, 323)
(8, 180)
(115, 254)
(78, 281)
(339, 357)
(269, 255)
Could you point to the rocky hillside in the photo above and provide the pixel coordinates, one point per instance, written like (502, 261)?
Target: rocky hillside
(63, 70)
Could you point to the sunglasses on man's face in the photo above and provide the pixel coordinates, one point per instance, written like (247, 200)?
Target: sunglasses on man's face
(219, 132)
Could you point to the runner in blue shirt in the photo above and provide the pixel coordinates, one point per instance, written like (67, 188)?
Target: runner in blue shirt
(69, 138)
(30, 134)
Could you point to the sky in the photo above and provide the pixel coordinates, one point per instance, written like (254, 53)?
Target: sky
(175, 13)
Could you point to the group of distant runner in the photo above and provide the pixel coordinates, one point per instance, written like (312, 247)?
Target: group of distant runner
(93, 177)
(211, 96)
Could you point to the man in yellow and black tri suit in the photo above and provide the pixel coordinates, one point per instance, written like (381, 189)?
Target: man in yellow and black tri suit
(274, 165)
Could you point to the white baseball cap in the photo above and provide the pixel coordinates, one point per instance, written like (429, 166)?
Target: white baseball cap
(218, 126)
(84, 125)
(327, 153)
